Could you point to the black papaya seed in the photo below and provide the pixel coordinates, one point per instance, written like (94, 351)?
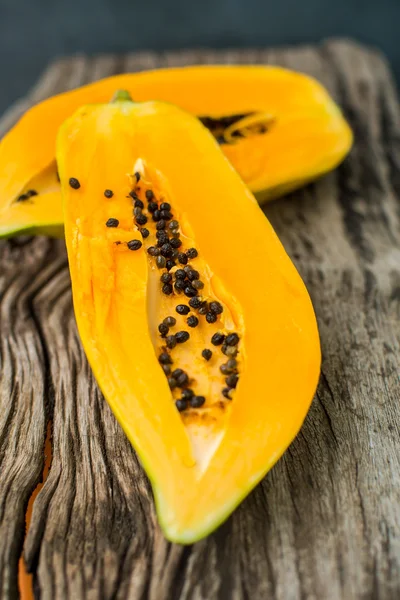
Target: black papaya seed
(190, 291)
(166, 250)
(203, 308)
(182, 258)
(165, 358)
(197, 401)
(211, 317)
(141, 220)
(192, 321)
(167, 289)
(206, 353)
(216, 307)
(166, 369)
(232, 364)
(182, 336)
(170, 341)
(182, 380)
(192, 274)
(195, 302)
(192, 253)
(181, 404)
(232, 339)
(232, 380)
(172, 383)
(217, 339)
(149, 195)
(160, 224)
(182, 309)
(74, 183)
(163, 329)
(161, 262)
(177, 372)
(170, 321)
(134, 244)
(179, 285)
(176, 243)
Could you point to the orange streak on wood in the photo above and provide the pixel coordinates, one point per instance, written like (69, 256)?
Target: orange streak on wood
(25, 582)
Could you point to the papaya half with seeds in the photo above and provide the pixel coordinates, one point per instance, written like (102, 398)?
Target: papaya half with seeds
(198, 328)
(279, 129)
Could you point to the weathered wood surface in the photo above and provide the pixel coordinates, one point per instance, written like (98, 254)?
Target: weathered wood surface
(325, 523)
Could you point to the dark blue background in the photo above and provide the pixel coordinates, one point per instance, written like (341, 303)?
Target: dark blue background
(33, 32)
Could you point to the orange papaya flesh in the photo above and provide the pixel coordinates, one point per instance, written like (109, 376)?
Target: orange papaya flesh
(279, 129)
(207, 427)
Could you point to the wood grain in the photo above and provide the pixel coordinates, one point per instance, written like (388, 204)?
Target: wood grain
(325, 522)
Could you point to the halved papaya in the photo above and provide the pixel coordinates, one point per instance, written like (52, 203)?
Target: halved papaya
(279, 129)
(198, 328)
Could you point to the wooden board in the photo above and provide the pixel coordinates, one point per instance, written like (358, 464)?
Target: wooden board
(325, 523)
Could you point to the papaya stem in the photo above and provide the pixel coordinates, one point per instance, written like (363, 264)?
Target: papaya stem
(121, 96)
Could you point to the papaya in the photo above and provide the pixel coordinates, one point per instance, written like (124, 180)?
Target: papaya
(197, 326)
(279, 129)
